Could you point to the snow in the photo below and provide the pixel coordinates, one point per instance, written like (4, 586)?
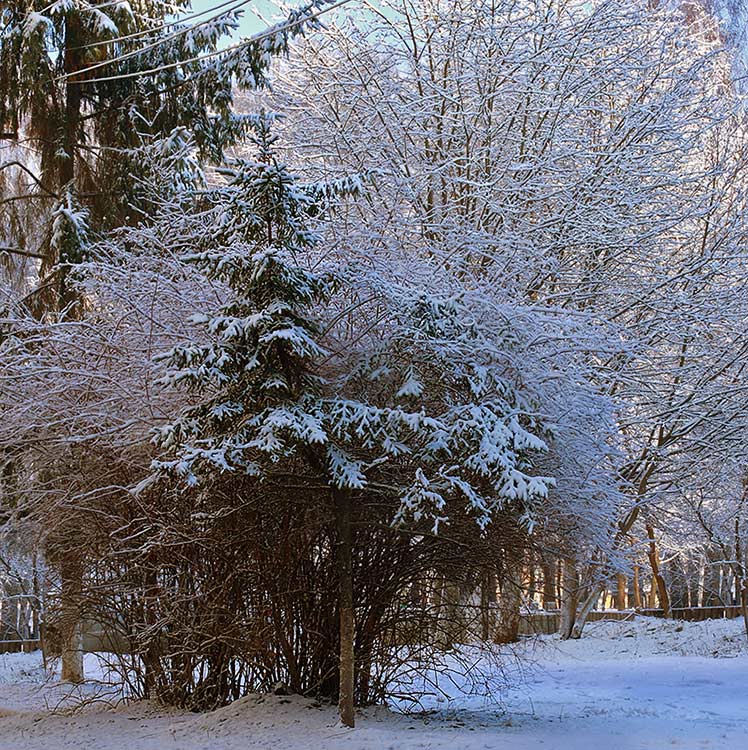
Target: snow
(624, 686)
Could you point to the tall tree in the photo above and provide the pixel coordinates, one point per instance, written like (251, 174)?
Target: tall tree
(413, 419)
(88, 89)
(584, 157)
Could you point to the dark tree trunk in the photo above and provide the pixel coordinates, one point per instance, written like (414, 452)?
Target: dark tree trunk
(70, 621)
(71, 127)
(488, 605)
(345, 607)
(569, 598)
(531, 581)
(635, 597)
(549, 586)
(620, 591)
(507, 628)
(711, 589)
(659, 581)
(741, 581)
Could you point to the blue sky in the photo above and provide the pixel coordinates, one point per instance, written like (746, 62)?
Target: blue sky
(250, 22)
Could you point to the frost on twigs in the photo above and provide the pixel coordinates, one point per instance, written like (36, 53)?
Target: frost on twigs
(425, 416)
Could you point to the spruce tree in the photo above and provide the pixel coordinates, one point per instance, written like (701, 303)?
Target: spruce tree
(424, 419)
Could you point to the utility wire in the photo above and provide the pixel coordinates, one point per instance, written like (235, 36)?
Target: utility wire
(166, 25)
(199, 58)
(152, 45)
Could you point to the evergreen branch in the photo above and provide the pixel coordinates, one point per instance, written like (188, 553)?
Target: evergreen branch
(155, 29)
(24, 253)
(18, 164)
(286, 26)
(148, 47)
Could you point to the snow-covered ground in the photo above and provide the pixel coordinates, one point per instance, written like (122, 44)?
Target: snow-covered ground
(624, 686)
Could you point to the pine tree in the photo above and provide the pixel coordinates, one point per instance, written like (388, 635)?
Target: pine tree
(260, 364)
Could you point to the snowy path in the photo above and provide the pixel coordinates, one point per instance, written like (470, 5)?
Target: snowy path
(606, 692)
(651, 702)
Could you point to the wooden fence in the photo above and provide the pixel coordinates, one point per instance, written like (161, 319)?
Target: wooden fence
(546, 623)
(697, 614)
(535, 623)
(19, 624)
(13, 647)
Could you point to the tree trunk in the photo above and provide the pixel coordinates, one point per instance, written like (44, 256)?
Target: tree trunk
(569, 598)
(70, 622)
(584, 612)
(549, 586)
(635, 598)
(65, 160)
(455, 624)
(675, 581)
(725, 590)
(652, 596)
(620, 591)
(654, 561)
(744, 603)
(741, 583)
(691, 572)
(487, 605)
(345, 608)
(531, 581)
(440, 607)
(507, 629)
(71, 127)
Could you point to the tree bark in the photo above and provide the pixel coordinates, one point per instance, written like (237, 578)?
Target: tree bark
(675, 581)
(438, 626)
(455, 626)
(549, 586)
(652, 597)
(584, 612)
(487, 605)
(659, 581)
(72, 64)
(744, 603)
(531, 581)
(70, 622)
(635, 599)
(569, 598)
(621, 582)
(741, 582)
(725, 586)
(345, 608)
(507, 629)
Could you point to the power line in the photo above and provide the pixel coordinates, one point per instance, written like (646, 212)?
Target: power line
(169, 24)
(152, 45)
(199, 58)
